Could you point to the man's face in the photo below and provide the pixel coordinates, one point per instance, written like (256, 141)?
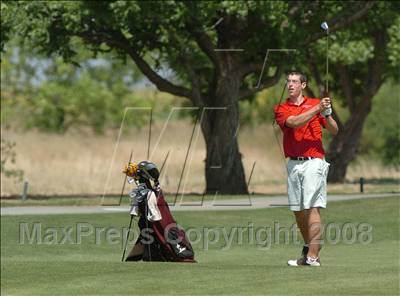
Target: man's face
(294, 85)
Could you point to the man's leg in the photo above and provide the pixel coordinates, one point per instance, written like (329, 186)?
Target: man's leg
(314, 231)
(302, 224)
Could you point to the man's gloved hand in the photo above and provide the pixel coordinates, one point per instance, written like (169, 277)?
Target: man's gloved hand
(325, 106)
(326, 112)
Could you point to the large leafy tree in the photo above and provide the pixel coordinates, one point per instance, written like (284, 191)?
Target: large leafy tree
(195, 40)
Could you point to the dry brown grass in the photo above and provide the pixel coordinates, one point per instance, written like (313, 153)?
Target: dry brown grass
(82, 163)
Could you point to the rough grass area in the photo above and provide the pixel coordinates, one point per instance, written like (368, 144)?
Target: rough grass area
(79, 162)
(240, 266)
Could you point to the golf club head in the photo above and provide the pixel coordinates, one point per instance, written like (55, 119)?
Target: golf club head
(325, 26)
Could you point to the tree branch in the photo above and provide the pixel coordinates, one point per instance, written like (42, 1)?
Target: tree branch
(245, 93)
(317, 77)
(338, 23)
(120, 42)
(374, 79)
(345, 82)
(206, 45)
(376, 65)
(202, 39)
(315, 72)
(194, 80)
(249, 68)
(337, 119)
(161, 83)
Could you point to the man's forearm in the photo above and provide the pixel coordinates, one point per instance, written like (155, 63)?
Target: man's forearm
(331, 125)
(303, 118)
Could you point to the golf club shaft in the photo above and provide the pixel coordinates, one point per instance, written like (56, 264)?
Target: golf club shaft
(123, 185)
(273, 125)
(149, 140)
(127, 238)
(327, 64)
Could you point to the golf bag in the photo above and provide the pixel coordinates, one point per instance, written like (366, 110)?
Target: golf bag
(160, 238)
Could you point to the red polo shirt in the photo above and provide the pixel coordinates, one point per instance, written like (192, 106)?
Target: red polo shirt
(305, 140)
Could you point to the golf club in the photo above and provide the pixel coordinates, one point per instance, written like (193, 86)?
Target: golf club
(325, 27)
(328, 111)
(162, 167)
(123, 185)
(274, 121)
(274, 124)
(148, 143)
(127, 238)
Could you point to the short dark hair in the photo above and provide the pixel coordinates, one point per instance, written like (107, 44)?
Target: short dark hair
(303, 78)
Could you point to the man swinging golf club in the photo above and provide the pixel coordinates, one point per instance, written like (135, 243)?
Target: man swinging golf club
(300, 119)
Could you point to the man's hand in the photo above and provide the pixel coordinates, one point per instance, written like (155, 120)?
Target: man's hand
(325, 106)
(326, 110)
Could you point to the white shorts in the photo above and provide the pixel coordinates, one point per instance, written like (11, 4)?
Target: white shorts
(307, 183)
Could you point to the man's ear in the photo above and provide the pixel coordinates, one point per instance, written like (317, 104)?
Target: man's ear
(303, 85)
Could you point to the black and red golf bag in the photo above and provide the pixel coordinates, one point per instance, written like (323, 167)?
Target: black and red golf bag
(160, 238)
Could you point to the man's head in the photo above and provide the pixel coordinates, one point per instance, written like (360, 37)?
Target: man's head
(295, 83)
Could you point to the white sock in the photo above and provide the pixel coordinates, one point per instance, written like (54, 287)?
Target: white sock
(311, 259)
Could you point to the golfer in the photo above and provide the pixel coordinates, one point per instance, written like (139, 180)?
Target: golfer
(301, 119)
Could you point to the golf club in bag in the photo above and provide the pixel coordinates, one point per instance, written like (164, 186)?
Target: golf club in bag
(160, 238)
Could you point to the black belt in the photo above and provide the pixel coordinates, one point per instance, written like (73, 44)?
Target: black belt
(301, 158)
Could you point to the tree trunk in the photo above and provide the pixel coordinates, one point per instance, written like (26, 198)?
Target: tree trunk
(224, 170)
(343, 147)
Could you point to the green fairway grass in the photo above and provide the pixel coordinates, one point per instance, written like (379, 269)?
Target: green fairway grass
(368, 266)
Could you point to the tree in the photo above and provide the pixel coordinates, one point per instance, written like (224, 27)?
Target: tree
(362, 59)
(8, 155)
(381, 135)
(52, 96)
(195, 39)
